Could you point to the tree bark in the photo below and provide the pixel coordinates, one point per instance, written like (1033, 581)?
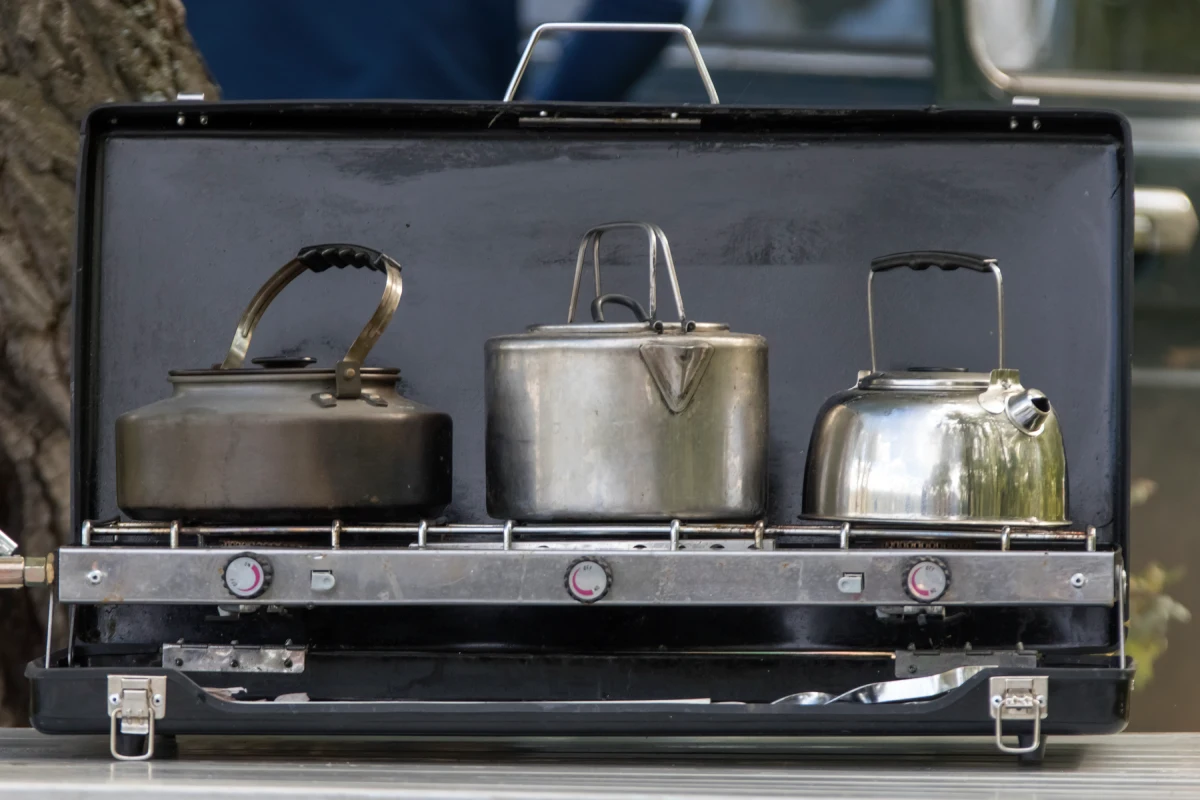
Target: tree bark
(58, 58)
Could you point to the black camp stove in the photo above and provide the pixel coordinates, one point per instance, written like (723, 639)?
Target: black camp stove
(467, 626)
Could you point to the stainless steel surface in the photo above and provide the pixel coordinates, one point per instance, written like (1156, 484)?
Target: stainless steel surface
(938, 447)
(904, 690)
(1020, 698)
(618, 27)
(134, 703)
(1122, 581)
(816, 533)
(897, 691)
(537, 577)
(49, 627)
(283, 659)
(42, 767)
(7, 545)
(608, 544)
(913, 663)
(12, 572)
(626, 421)
(354, 447)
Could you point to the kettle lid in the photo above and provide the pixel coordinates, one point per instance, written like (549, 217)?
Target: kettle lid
(925, 379)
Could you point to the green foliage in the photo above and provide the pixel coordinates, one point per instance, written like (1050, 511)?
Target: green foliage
(1151, 612)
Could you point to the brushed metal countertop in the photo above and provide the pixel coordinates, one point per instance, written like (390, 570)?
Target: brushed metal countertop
(1129, 765)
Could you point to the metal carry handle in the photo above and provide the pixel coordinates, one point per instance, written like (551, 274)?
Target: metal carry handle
(318, 258)
(921, 260)
(598, 304)
(616, 27)
(656, 239)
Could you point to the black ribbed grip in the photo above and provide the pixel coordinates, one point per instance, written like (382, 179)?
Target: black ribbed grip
(320, 257)
(924, 259)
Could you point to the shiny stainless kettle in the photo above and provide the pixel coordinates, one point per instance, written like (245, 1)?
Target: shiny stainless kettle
(937, 447)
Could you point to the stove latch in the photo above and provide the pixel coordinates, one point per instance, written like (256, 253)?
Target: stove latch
(134, 702)
(1021, 698)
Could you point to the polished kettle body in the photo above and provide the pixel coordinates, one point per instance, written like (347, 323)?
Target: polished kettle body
(930, 447)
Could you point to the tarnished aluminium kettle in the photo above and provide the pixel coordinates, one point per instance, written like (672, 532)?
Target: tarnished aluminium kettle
(285, 442)
(935, 447)
(641, 420)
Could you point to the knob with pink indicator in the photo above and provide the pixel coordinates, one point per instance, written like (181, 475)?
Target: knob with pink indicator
(247, 575)
(588, 580)
(927, 580)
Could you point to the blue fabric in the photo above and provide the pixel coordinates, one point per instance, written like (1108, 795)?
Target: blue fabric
(600, 67)
(410, 49)
(347, 49)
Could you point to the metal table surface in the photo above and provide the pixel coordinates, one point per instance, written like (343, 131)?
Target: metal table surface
(1129, 765)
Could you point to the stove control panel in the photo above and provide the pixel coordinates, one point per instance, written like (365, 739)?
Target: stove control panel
(927, 580)
(247, 575)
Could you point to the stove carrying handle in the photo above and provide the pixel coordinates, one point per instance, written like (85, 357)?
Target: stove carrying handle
(614, 27)
(657, 239)
(318, 258)
(921, 260)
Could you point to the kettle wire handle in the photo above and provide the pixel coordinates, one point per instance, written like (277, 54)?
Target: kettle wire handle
(656, 239)
(318, 258)
(947, 260)
(614, 27)
(639, 313)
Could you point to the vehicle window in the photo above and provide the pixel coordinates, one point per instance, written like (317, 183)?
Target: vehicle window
(1152, 38)
(817, 23)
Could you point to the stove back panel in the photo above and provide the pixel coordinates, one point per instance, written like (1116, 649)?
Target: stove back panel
(771, 234)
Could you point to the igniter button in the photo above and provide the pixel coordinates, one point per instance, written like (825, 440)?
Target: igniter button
(850, 583)
(322, 581)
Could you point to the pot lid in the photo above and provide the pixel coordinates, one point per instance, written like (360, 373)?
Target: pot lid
(279, 367)
(615, 328)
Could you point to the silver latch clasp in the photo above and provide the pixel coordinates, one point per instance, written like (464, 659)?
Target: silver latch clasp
(134, 702)
(1022, 698)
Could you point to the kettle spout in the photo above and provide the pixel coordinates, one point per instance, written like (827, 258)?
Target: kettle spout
(1028, 410)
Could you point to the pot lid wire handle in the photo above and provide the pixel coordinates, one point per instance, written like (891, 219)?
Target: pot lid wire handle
(921, 260)
(656, 239)
(614, 27)
(318, 258)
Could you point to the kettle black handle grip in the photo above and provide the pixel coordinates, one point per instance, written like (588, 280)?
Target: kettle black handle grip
(621, 300)
(945, 260)
(924, 259)
(320, 257)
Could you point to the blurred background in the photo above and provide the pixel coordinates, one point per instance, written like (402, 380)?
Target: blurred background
(60, 57)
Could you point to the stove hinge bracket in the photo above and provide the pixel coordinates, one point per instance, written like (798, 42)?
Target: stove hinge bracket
(134, 702)
(1023, 698)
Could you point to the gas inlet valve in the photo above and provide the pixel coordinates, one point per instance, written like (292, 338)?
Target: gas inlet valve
(17, 571)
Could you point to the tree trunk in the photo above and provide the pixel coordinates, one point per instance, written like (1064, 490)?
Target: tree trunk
(58, 58)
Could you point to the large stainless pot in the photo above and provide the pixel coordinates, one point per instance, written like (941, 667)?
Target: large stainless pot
(284, 442)
(642, 420)
(929, 447)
